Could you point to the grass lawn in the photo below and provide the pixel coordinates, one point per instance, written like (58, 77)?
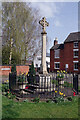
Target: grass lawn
(12, 109)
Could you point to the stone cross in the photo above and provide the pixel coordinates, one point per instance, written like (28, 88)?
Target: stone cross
(44, 23)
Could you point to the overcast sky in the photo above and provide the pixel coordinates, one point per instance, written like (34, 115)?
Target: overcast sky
(62, 18)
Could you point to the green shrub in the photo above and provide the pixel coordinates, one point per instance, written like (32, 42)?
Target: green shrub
(69, 98)
(54, 82)
(10, 95)
(58, 99)
(36, 100)
(13, 69)
(21, 78)
(79, 90)
(26, 100)
(48, 101)
(31, 74)
(5, 87)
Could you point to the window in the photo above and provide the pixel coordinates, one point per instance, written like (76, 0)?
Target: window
(57, 53)
(75, 54)
(39, 58)
(57, 65)
(75, 44)
(75, 65)
(66, 66)
(36, 65)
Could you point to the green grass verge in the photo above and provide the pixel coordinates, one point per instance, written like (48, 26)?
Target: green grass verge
(12, 109)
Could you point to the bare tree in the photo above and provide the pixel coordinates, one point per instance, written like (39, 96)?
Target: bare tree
(20, 22)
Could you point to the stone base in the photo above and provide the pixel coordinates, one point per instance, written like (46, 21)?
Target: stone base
(45, 83)
(22, 86)
(43, 72)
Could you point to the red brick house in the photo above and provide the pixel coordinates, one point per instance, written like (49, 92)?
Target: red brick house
(66, 56)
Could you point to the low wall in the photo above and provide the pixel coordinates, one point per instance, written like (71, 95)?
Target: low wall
(5, 70)
(22, 69)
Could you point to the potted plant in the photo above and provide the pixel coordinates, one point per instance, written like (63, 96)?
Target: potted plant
(60, 77)
(21, 81)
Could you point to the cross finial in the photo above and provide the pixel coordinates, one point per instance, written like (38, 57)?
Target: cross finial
(44, 23)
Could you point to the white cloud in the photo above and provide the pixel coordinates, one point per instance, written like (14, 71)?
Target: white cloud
(46, 9)
(57, 23)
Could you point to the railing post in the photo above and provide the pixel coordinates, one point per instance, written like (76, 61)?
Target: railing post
(75, 82)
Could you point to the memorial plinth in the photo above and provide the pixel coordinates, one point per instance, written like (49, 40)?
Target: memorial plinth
(45, 83)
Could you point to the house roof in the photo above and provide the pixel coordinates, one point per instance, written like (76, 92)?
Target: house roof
(58, 46)
(73, 37)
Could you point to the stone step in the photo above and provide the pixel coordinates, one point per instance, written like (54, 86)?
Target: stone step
(29, 90)
(36, 86)
(42, 90)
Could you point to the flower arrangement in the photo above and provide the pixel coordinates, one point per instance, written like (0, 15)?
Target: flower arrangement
(60, 93)
(26, 87)
(21, 77)
(26, 73)
(60, 74)
(59, 96)
(10, 95)
(5, 87)
(6, 81)
(74, 94)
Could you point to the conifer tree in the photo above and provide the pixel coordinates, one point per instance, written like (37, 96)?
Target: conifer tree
(31, 74)
(13, 69)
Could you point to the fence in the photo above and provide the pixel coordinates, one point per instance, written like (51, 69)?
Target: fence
(43, 86)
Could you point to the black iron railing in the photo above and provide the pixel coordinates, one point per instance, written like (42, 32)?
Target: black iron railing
(44, 86)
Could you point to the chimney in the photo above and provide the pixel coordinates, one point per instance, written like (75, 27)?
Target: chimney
(56, 41)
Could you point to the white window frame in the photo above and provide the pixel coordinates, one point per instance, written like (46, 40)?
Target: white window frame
(56, 63)
(74, 45)
(66, 66)
(59, 53)
(74, 64)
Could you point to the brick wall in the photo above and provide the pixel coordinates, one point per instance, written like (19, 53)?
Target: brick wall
(5, 72)
(66, 57)
(79, 57)
(51, 60)
(22, 69)
(62, 64)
